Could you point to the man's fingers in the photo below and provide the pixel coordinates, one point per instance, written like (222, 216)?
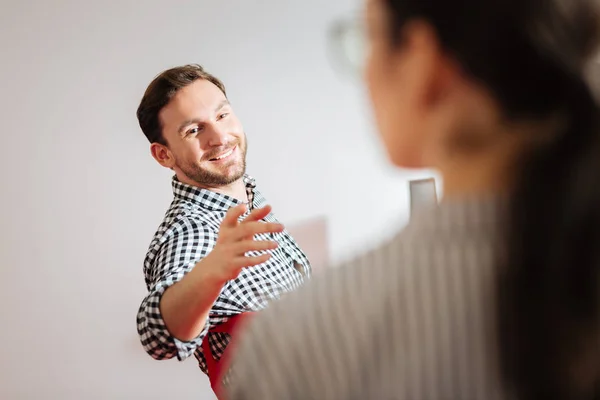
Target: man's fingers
(254, 245)
(258, 214)
(249, 229)
(242, 262)
(232, 216)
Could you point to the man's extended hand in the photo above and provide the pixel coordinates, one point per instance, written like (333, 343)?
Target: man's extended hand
(228, 257)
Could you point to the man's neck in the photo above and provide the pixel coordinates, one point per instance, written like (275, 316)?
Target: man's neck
(237, 189)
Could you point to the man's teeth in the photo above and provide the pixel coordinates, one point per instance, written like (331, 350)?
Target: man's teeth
(224, 155)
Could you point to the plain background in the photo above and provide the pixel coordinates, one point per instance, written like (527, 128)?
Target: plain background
(81, 195)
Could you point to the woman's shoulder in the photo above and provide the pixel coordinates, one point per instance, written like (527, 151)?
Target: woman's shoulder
(440, 237)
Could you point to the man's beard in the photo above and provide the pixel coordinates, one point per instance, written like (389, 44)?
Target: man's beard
(208, 178)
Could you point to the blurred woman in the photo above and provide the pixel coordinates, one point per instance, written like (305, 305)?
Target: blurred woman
(493, 294)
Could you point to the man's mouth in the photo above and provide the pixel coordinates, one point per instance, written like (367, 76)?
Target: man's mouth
(224, 155)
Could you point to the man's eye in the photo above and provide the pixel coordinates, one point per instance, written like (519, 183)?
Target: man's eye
(194, 131)
(224, 115)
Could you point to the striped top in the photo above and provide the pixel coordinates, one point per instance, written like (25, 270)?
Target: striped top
(412, 319)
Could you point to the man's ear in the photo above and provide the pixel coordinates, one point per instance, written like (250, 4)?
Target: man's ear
(162, 155)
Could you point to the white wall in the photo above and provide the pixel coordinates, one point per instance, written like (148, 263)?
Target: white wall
(81, 196)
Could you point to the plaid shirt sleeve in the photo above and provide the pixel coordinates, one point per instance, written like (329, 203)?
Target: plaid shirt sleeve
(169, 259)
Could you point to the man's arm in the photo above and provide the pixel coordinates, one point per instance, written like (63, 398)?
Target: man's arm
(171, 279)
(190, 271)
(185, 305)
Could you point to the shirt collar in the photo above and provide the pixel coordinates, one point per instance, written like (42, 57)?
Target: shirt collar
(207, 198)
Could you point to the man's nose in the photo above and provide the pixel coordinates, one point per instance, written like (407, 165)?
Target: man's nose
(217, 136)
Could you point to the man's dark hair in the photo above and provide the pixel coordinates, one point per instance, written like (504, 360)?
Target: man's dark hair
(161, 90)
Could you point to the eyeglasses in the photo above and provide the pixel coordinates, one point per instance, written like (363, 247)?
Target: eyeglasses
(348, 45)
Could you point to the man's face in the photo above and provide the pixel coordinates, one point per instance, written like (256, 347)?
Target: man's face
(206, 144)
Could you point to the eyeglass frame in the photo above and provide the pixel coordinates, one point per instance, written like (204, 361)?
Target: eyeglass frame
(338, 34)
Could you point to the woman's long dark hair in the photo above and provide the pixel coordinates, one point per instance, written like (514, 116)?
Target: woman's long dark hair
(531, 55)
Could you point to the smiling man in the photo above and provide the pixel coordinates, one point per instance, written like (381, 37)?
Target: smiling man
(219, 252)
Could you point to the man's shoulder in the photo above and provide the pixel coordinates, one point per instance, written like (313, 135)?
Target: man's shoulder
(181, 220)
(183, 229)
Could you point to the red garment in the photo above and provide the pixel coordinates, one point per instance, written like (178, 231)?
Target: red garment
(217, 369)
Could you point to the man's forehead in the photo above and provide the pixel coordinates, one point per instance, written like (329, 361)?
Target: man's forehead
(197, 100)
(201, 93)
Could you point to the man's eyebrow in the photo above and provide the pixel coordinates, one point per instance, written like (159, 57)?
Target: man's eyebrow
(222, 104)
(186, 123)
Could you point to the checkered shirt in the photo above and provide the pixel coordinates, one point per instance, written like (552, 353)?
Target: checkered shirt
(186, 235)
